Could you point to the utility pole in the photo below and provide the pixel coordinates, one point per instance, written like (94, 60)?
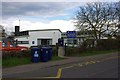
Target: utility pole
(19, 22)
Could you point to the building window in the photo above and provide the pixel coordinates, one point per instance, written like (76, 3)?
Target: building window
(72, 41)
(33, 42)
(64, 34)
(75, 41)
(3, 45)
(23, 42)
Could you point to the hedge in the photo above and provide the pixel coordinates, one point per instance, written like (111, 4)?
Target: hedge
(18, 54)
(107, 44)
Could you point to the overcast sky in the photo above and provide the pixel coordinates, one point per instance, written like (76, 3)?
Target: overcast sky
(40, 15)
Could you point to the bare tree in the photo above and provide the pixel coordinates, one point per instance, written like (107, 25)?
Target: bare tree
(101, 18)
(117, 16)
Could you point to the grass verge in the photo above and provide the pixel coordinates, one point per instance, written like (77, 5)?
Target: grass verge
(13, 61)
(0, 60)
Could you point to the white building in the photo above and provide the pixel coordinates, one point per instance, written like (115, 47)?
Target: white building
(38, 37)
(50, 37)
(80, 38)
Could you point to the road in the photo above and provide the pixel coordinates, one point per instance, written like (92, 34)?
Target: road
(104, 68)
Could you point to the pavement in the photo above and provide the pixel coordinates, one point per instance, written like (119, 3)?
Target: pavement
(43, 69)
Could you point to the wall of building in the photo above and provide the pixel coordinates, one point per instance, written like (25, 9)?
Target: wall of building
(35, 35)
(23, 40)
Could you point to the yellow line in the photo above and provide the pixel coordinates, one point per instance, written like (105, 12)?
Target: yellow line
(57, 76)
(86, 63)
(98, 61)
(92, 61)
(80, 65)
(59, 73)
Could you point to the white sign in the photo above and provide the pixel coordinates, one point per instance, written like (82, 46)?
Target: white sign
(46, 51)
(36, 54)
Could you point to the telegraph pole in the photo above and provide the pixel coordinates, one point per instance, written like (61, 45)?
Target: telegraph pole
(19, 22)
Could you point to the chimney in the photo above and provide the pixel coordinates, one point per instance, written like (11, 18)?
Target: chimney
(17, 30)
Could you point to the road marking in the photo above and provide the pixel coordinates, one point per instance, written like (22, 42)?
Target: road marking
(90, 62)
(98, 61)
(59, 73)
(80, 65)
(86, 63)
(93, 62)
(68, 67)
(57, 76)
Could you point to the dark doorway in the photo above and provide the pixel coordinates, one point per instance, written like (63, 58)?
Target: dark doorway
(44, 41)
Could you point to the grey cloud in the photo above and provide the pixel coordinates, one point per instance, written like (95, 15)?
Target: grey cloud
(15, 9)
